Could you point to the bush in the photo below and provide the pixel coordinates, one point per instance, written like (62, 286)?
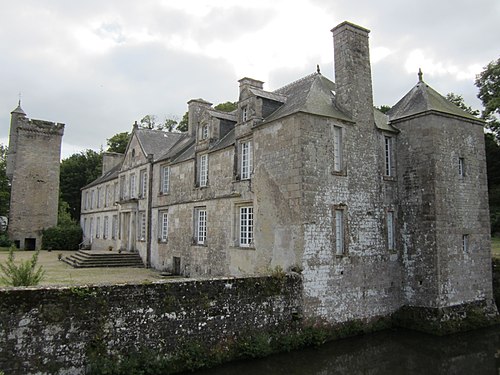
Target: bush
(5, 242)
(62, 238)
(24, 274)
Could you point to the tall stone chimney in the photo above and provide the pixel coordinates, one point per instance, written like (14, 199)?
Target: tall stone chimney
(353, 76)
(17, 116)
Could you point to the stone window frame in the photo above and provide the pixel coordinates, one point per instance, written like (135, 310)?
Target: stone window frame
(248, 227)
(132, 183)
(105, 227)
(244, 113)
(200, 221)
(141, 227)
(143, 183)
(98, 227)
(339, 163)
(204, 134)
(164, 179)
(163, 226)
(106, 195)
(203, 170)
(86, 200)
(98, 197)
(390, 229)
(91, 229)
(389, 158)
(246, 159)
(340, 235)
(461, 167)
(92, 199)
(123, 186)
(114, 227)
(465, 242)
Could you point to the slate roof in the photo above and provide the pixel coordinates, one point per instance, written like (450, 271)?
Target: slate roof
(312, 94)
(108, 176)
(423, 98)
(382, 121)
(156, 142)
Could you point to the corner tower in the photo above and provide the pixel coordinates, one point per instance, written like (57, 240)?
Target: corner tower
(33, 164)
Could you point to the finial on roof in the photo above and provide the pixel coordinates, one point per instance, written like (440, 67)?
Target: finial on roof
(317, 69)
(420, 75)
(136, 125)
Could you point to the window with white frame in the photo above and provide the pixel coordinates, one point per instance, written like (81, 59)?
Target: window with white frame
(200, 225)
(390, 230)
(132, 186)
(339, 224)
(337, 149)
(246, 160)
(461, 167)
(143, 177)
(388, 156)
(98, 199)
(165, 179)
(465, 242)
(203, 170)
(141, 235)
(244, 114)
(204, 132)
(114, 227)
(246, 226)
(163, 226)
(122, 187)
(98, 227)
(105, 228)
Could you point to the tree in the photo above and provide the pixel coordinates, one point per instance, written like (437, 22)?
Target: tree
(384, 108)
(488, 82)
(458, 100)
(183, 125)
(226, 107)
(77, 171)
(118, 143)
(4, 183)
(493, 171)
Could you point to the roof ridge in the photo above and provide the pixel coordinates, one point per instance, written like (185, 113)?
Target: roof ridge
(281, 89)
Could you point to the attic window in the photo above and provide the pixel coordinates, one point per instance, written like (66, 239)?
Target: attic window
(133, 152)
(204, 132)
(244, 115)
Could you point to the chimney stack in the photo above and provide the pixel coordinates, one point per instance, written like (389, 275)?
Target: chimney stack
(353, 77)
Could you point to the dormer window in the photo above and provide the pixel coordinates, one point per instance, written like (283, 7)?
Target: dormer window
(204, 132)
(244, 114)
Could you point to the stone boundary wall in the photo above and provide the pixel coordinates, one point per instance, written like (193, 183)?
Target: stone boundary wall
(52, 330)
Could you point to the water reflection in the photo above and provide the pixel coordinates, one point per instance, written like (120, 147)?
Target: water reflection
(388, 352)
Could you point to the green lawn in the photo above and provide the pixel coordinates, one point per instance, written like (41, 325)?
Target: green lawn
(60, 273)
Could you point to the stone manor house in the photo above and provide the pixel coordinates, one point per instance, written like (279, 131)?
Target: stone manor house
(375, 211)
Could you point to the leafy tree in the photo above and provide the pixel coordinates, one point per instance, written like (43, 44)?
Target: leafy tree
(148, 122)
(493, 170)
(226, 107)
(77, 171)
(118, 143)
(458, 100)
(183, 125)
(488, 82)
(4, 183)
(24, 274)
(384, 108)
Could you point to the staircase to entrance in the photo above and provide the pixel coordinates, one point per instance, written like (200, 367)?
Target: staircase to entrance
(102, 258)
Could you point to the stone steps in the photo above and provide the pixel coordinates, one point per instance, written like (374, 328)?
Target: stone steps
(93, 259)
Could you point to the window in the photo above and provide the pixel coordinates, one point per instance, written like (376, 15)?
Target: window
(85, 227)
(132, 186)
(143, 183)
(246, 160)
(122, 187)
(92, 199)
(200, 225)
(165, 179)
(91, 228)
(98, 228)
(388, 156)
(115, 192)
(390, 230)
(105, 228)
(203, 177)
(204, 132)
(163, 225)
(114, 227)
(339, 232)
(244, 114)
(142, 226)
(246, 226)
(86, 200)
(465, 242)
(106, 196)
(461, 167)
(98, 197)
(337, 149)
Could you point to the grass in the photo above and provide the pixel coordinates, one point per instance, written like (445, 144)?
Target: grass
(60, 273)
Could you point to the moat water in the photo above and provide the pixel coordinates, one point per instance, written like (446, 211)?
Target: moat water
(387, 352)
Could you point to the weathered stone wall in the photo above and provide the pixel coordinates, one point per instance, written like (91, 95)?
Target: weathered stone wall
(54, 330)
(35, 181)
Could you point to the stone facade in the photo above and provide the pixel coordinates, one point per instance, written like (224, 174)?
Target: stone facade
(377, 211)
(33, 161)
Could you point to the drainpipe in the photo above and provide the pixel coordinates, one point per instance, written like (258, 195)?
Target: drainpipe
(148, 210)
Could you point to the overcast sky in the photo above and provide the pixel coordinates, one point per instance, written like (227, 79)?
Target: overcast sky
(98, 66)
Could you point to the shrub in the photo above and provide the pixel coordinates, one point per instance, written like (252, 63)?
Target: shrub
(4, 242)
(62, 238)
(24, 274)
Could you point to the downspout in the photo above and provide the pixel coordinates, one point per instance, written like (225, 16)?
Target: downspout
(148, 210)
